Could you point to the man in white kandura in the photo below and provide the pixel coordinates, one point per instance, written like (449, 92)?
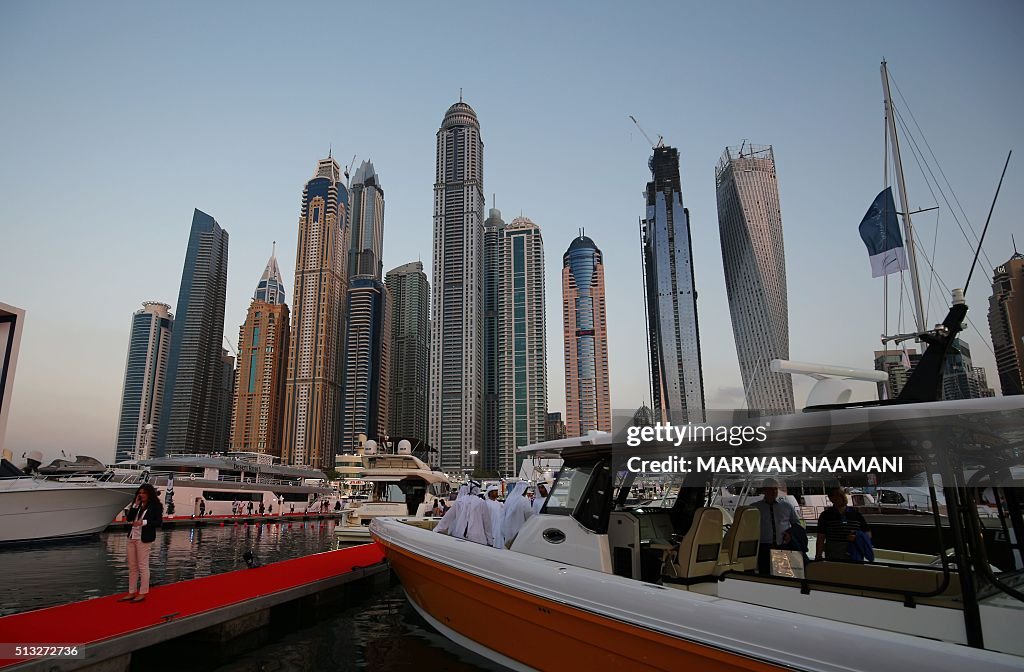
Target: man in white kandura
(450, 522)
(477, 518)
(497, 510)
(517, 511)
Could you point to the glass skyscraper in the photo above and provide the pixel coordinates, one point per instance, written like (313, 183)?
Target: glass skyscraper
(677, 380)
(494, 227)
(587, 399)
(366, 377)
(365, 389)
(145, 373)
(193, 395)
(410, 351)
(456, 344)
(750, 227)
(521, 348)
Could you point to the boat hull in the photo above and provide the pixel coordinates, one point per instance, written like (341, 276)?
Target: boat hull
(529, 613)
(47, 510)
(528, 632)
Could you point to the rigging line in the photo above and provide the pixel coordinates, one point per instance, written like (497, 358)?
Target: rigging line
(988, 220)
(946, 289)
(914, 149)
(936, 159)
(885, 185)
(931, 279)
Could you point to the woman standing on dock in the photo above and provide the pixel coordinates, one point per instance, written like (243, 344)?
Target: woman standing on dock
(145, 515)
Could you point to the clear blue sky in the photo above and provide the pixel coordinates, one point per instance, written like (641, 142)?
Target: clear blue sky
(119, 118)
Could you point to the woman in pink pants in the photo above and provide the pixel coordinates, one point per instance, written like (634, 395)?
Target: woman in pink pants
(145, 515)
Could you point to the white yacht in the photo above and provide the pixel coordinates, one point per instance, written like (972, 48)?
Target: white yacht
(38, 507)
(403, 485)
(219, 480)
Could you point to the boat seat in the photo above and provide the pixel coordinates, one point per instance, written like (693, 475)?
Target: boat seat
(868, 576)
(741, 543)
(697, 554)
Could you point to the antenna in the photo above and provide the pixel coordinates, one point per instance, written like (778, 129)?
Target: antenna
(460, 94)
(654, 145)
(987, 220)
(1014, 241)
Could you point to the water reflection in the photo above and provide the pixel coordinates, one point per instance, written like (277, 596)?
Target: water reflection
(382, 633)
(43, 575)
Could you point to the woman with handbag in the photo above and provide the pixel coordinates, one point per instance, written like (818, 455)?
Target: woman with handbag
(145, 515)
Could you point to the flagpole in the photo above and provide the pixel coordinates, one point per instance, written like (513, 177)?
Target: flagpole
(908, 229)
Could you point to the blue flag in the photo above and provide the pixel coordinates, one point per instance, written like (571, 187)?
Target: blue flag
(880, 231)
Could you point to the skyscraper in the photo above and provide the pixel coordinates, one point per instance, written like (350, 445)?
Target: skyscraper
(750, 227)
(365, 391)
(410, 350)
(677, 380)
(225, 402)
(1006, 322)
(898, 368)
(366, 223)
(587, 400)
(960, 378)
(312, 411)
(522, 351)
(145, 374)
(456, 344)
(258, 411)
(494, 227)
(554, 428)
(366, 378)
(194, 388)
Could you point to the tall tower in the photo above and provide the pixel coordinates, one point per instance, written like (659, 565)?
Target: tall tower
(677, 381)
(312, 406)
(366, 223)
(494, 227)
(750, 226)
(145, 373)
(587, 400)
(522, 351)
(194, 388)
(365, 383)
(367, 361)
(258, 411)
(1006, 322)
(456, 392)
(225, 402)
(410, 350)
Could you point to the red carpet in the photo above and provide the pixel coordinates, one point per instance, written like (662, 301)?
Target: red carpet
(105, 617)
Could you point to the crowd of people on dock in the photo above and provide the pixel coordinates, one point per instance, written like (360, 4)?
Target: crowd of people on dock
(483, 518)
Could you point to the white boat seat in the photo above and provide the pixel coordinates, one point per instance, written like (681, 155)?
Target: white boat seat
(697, 554)
(740, 546)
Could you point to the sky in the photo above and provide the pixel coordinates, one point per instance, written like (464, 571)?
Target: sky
(117, 119)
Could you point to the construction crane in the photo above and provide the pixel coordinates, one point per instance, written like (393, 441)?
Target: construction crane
(654, 145)
(348, 171)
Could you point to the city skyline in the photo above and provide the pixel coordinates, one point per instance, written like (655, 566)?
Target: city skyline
(574, 160)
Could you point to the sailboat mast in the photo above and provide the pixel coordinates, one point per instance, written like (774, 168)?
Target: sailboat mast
(908, 229)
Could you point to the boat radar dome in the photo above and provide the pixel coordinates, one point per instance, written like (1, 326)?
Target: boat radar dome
(404, 447)
(370, 447)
